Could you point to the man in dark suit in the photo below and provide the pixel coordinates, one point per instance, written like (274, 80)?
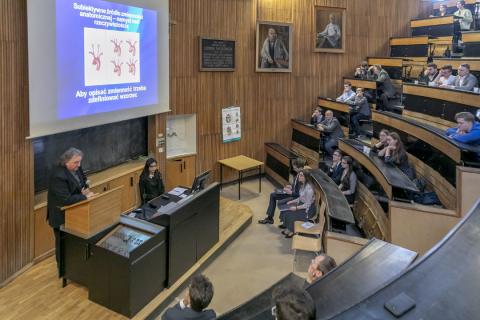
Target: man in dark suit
(332, 126)
(385, 86)
(430, 74)
(291, 192)
(336, 170)
(197, 298)
(66, 187)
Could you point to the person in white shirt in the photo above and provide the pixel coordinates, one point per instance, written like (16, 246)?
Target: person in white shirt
(465, 14)
(445, 76)
(331, 34)
(464, 80)
(347, 92)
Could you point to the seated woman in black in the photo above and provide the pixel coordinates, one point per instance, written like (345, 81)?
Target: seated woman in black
(383, 141)
(151, 183)
(349, 180)
(395, 153)
(303, 208)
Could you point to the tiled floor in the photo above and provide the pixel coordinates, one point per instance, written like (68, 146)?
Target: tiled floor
(258, 258)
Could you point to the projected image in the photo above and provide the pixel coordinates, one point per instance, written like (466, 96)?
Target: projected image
(106, 57)
(110, 52)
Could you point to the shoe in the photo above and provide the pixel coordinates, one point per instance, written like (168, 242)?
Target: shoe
(288, 237)
(266, 221)
(282, 227)
(283, 232)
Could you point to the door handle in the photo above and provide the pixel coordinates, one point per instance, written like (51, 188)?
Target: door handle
(183, 164)
(131, 181)
(181, 168)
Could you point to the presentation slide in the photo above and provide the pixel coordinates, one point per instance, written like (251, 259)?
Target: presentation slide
(106, 57)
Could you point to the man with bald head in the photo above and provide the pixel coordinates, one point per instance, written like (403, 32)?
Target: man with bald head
(319, 267)
(273, 48)
(332, 126)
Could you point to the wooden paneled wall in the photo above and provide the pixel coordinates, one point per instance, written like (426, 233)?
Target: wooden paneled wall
(16, 155)
(268, 101)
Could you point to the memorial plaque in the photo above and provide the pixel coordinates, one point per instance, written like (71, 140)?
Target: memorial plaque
(217, 54)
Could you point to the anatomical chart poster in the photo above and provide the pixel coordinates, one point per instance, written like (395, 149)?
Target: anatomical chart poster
(231, 124)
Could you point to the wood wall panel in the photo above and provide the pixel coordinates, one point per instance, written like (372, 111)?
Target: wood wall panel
(16, 155)
(268, 101)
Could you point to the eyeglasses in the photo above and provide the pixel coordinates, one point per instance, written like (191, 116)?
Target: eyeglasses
(274, 311)
(153, 166)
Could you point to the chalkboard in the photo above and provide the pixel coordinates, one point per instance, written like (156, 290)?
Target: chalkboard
(103, 147)
(217, 54)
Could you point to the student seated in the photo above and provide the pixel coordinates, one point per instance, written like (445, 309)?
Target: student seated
(332, 126)
(349, 180)
(465, 14)
(361, 109)
(468, 130)
(347, 92)
(464, 80)
(385, 86)
(151, 183)
(291, 192)
(395, 153)
(383, 141)
(197, 298)
(442, 11)
(303, 208)
(319, 267)
(445, 76)
(293, 303)
(317, 116)
(430, 73)
(336, 170)
(361, 71)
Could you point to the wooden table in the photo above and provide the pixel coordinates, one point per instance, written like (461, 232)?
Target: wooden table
(242, 164)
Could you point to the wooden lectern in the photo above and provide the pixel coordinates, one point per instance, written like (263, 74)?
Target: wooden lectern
(94, 214)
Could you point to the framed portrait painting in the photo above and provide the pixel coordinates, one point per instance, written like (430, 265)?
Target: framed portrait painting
(274, 47)
(329, 28)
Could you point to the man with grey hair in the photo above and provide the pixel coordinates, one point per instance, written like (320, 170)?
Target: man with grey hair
(67, 186)
(331, 34)
(385, 88)
(273, 51)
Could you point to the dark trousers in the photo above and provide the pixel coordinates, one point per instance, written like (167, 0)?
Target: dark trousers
(273, 202)
(356, 118)
(329, 144)
(56, 231)
(384, 100)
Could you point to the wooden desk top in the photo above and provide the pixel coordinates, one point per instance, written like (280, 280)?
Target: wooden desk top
(340, 106)
(364, 83)
(40, 199)
(455, 63)
(432, 21)
(240, 163)
(457, 96)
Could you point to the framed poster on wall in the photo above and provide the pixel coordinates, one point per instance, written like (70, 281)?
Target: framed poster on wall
(231, 124)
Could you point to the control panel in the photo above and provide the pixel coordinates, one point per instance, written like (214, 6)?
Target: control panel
(124, 239)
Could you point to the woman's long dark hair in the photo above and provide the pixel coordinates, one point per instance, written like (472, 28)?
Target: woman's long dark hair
(308, 178)
(348, 171)
(399, 151)
(146, 172)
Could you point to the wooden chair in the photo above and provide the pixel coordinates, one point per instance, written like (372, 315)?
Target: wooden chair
(305, 243)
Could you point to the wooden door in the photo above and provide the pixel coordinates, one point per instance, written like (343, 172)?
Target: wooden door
(128, 191)
(174, 174)
(188, 171)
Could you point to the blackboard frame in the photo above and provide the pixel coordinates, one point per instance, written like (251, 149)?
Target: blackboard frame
(201, 54)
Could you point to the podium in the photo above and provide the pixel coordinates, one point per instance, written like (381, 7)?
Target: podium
(93, 214)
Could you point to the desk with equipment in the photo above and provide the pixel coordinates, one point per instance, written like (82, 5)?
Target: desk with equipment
(340, 110)
(436, 105)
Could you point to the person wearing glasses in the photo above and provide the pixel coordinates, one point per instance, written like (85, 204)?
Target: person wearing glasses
(383, 141)
(292, 302)
(151, 183)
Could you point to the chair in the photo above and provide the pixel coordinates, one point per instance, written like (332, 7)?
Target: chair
(305, 243)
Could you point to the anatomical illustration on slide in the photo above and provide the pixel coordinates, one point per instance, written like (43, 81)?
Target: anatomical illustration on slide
(111, 46)
(231, 124)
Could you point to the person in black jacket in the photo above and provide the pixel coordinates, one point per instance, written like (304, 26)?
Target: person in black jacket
(336, 170)
(151, 183)
(197, 298)
(66, 187)
(291, 193)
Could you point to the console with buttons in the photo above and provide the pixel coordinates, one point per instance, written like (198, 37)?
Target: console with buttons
(124, 239)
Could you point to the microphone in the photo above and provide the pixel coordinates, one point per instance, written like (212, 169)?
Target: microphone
(86, 184)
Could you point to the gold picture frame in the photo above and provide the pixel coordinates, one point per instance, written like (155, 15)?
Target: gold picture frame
(329, 29)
